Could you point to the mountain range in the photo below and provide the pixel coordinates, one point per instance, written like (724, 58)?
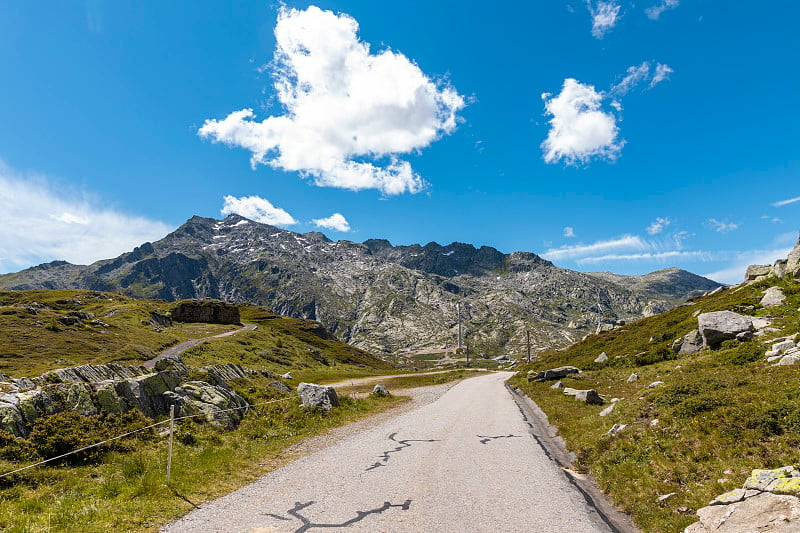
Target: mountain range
(382, 298)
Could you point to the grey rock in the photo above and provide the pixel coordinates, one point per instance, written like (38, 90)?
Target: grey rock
(557, 385)
(24, 384)
(782, 347)
(380, 390)
(719, 326)
(220, 406)
(615, 429)
(689, 343)
(280, 386)
(287, 375)
(589, 396)
(5, 377)
(174, 362)
(728, 498)
(602, 358)
(607, 411)
(655, 384)
(788, 360)
(755, 272)
(793, 261)
(633, 377)
(764, 512)
(11, 419)
(554, 373)
(322, 396)
(569, 391)
(773, 297)
(665, 497)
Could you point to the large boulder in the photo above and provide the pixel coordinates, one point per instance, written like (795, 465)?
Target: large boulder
(553, 373)
(322, 396)
(773, 297)
(719, 326)
(222, 407)
(757, 272)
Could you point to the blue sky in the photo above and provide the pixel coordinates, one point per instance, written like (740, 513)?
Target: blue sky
(603, 135)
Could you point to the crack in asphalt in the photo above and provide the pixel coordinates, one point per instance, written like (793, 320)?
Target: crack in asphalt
(485, 438)
(406, 443)
(360, 515)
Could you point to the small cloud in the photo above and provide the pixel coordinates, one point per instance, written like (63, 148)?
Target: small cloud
(662, 73)
(569, 231)
(722, 227)
(605, 16)
(69, 218)
(774, 220)
(258, 209)
(658, 226)
(579, 128)
(335, 222)
(654, 12)
(349, 114)
(786, 202)
(638, 74)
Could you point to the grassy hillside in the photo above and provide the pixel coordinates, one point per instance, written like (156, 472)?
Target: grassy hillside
(717, 415)
(36, 336)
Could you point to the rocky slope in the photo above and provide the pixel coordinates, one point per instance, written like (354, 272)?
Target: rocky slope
(379, 297)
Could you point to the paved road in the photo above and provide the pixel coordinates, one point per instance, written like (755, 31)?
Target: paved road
(182, 347)
(464, 463)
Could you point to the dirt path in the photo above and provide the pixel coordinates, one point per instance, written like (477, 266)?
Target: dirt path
(465, 462)
(182, 347)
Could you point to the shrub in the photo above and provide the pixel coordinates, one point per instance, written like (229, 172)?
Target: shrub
(15, 449)
(743, 353)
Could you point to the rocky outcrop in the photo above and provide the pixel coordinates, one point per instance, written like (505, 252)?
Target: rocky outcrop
(320, 396)
(719, 326)
(95, 389)
(782, 267)
(767, 502)
(206, 311)
(773, 297)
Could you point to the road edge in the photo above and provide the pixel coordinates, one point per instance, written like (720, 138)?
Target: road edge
(555, 448)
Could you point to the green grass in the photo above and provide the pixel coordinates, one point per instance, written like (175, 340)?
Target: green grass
(720, 412)
(32, 340)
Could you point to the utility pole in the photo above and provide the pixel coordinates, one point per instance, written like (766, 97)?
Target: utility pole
(528, 337)
(458, 314)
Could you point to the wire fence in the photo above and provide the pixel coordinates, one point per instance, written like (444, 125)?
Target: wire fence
(171, 421)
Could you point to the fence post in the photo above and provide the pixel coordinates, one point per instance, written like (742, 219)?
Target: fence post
(171, 431)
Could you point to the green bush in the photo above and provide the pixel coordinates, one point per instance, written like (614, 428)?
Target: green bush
(662, 353)
(743, 353)
(15, 449)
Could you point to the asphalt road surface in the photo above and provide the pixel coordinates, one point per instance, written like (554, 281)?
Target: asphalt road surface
(464, 463)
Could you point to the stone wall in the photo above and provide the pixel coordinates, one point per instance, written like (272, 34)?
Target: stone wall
(207, 311)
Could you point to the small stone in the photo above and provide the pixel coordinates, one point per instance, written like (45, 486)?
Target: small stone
(665, 497)
(589, 396)
(782, 347)
(633, 377)
(557, 385)
(787, 360)
(607, 411)
(287, 375)
(654, 422)
(380, 390)
(616, 428)
(655, 384)
(569, 391)
(602, 358)
(280, 386)
(728, 498)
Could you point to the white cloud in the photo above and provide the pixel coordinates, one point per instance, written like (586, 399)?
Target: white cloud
(658, 226)
(662, 73)
(349, 113)
(638, 74)
(774, 220)
(335, 222)
(569, 231)
(722, 227)
(579, 129)
(786, 202)
(41, 221)
(258, 209)
(626, 242)
(635, 75)
(654, 12)
(605, 16)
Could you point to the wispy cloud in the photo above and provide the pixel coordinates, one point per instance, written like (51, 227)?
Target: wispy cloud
(605, 16)
(626, 242)
(648, 256)
(654, 12)
(258, 209)
(579, 128)
(335, 222)
(41, 220)
(350, 114)
(786, 202)
(569, 231)
(658, 226)
(638, 74)
(722, 227)
(739, 261)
